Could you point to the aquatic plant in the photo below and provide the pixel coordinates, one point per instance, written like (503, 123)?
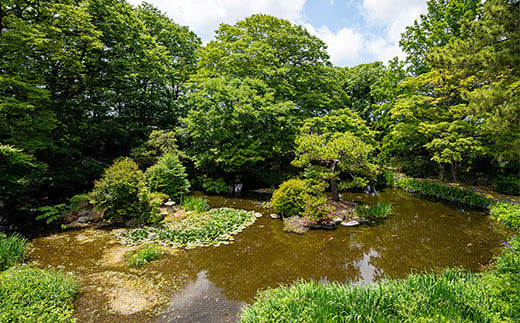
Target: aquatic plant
(12, 250)
(143, 255)
(445, 192)
(452, 296)
(30, 294)
(202, 229)
(374, 212)
(197, 204)
(317, 211)
(507, 213)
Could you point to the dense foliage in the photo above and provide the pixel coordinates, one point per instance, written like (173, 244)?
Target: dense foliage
(143, 255)
(168, 176)
(290, 198)
(30, 294)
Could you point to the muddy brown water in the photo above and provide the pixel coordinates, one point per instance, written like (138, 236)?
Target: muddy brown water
(211, 284)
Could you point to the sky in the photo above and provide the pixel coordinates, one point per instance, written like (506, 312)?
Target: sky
(355, 31)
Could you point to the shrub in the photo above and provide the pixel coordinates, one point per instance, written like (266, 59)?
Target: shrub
(215, 186)
(144, 255)
(122, 192)
(197, 204)
(12, 250)
(507, 213)
(168, 176)
(444, 192)
(34, 295)
(508, 185)
(290, 198)
(317, 211)
(385, 179)
(51, 213)
(374, 212)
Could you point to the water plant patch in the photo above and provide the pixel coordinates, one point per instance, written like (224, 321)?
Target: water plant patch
(215, 227)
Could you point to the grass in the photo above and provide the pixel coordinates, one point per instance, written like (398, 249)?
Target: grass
(144, 255)
(444, 192)
(214, 227)
(375, 212)
(30, 294)
(453, 296)
(507, 213)
(196, 204)
(12, 250)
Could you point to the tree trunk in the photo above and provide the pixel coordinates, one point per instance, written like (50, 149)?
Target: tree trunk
(333, 184)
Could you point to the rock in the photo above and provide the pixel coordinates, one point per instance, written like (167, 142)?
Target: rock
(337, 220)
(363, 220)
(169, 203)
(274, 216)
(82, 219)
(324, 226)
(75, 225)
(351, 223)
(84, 213)
(258, 214)
(294, 224)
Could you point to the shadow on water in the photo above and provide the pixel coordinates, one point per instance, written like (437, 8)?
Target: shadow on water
(211, 284)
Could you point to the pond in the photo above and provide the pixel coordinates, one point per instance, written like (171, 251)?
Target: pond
(210, 284)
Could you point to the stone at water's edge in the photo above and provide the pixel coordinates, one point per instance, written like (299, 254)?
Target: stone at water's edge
(274, 216)
(258, 214)
(351, 223)
(294, 224)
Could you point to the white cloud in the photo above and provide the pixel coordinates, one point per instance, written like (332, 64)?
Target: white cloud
(204, 16)
(394, 15)
(344, 46)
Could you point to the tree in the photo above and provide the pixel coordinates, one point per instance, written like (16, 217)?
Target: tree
(442, 24)
(336, 152)
(168, 176)
(290, 61)
(235, 128)
(336, 145)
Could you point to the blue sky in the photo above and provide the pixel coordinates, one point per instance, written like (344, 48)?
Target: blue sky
(355, 31)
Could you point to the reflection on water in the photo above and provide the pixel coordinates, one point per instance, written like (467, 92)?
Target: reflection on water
(419, 236)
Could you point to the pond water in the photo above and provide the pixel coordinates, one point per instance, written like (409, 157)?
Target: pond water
(211, 284)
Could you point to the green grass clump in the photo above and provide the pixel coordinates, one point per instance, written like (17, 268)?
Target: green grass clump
(30, 294)
(374, 212)
(144, 255)
(444, 192)
(196, 204)
(12, 250)
(507, 213)
(200, 229)
(453, 296)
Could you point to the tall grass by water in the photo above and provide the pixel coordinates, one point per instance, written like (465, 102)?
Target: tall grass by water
(29, 294)
(453, 296)
(374, 212)
(144, 255)
(197, 204)
(12, 250)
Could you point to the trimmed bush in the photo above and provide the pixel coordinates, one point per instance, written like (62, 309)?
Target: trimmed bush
(122, 192)
(168, 176)
(12, 250)
(30, 294)
(290, 198)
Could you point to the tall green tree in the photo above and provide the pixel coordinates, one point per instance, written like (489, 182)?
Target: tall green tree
(235, 128)
(438, 27)
(282, 55)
